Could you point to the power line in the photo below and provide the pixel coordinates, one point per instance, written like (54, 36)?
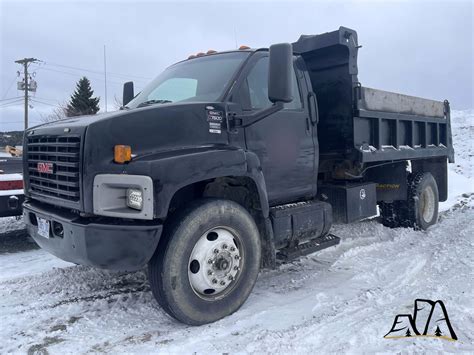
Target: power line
(96, 71)
(44, 103)
(20, 121)
(11, 101)
(43, 98)
(9, 87)
(11, 98)
(77, 75)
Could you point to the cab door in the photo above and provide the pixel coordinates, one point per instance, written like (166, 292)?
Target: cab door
(283, 141)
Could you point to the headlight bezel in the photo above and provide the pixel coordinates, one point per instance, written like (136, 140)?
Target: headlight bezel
(110, 196)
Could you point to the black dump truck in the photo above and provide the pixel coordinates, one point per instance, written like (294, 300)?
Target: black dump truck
(230, 161)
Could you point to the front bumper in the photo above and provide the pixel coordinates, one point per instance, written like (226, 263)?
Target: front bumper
(109, 244)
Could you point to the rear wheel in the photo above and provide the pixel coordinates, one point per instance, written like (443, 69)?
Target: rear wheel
(420, 210)
(208, 262)
(423, 200)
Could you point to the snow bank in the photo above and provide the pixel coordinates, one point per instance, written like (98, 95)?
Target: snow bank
(461, 173)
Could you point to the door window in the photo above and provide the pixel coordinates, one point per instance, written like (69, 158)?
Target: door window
(257, 82)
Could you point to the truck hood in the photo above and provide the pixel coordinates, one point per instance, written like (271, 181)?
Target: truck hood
(73, 122)
(151, 129)
(147, 130)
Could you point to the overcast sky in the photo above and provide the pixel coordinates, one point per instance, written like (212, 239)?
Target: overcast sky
(422, 48)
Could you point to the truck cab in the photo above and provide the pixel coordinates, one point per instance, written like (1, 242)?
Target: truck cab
(229, 161)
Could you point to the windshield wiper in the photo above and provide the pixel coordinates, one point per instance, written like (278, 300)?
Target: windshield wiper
(152, 102)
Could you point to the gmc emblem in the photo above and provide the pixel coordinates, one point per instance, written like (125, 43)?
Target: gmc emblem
(45, 168)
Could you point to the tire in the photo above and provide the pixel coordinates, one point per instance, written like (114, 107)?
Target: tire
(208, 230)
(412, 213)
(390, 214)
(422, 201)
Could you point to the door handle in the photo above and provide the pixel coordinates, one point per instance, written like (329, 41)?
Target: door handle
(313, 107)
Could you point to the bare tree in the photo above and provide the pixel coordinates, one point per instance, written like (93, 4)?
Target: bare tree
(58, 113)
(117, 103)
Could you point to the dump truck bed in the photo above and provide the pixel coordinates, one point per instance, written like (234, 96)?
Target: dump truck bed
(390, 126)
(364, 124)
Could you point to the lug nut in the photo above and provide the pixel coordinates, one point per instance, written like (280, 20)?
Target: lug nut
(209, 272)
(222, 283)
(232, 249)
(209, 261)
(216, 251)
(237, 257)
(214, 281)
(224, 246)
(236, 268)
(230, 277)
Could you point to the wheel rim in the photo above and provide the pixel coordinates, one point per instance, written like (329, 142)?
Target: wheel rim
(427, 204)
(215, 263)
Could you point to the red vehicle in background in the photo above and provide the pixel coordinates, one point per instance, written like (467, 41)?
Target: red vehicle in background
(11, 187)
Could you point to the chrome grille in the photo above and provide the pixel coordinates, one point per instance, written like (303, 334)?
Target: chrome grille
(63, 153)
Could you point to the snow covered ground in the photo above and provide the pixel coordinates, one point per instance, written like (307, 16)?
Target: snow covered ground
(342, 299)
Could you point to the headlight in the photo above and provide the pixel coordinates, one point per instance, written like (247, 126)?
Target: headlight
(135, 199)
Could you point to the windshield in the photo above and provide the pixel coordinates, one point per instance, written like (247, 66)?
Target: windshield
(198, 80)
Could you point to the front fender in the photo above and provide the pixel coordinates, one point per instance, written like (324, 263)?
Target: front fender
(174, 170)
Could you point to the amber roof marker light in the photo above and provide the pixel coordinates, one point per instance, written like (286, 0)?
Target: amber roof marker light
(212, 51)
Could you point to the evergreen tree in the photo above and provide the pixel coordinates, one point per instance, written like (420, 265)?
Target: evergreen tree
(438, 332)
(408, 333)
(82, 102)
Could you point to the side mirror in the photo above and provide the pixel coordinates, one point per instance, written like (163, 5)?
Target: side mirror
(128, 94)
(280, 88)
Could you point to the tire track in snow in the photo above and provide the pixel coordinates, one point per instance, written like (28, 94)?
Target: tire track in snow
(335, 300)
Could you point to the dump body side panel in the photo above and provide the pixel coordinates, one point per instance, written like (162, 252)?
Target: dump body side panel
(364, 125)
(379, 100)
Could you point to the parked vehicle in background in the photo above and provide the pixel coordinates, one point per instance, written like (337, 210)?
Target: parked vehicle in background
(226, 162)
(11, 186)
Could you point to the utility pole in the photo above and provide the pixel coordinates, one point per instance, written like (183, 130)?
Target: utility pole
(105, 78)
(26, 85)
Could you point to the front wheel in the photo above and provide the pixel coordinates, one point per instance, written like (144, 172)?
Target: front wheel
(208, 262)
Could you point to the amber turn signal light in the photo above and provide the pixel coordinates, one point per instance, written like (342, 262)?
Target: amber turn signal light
(122, 153)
